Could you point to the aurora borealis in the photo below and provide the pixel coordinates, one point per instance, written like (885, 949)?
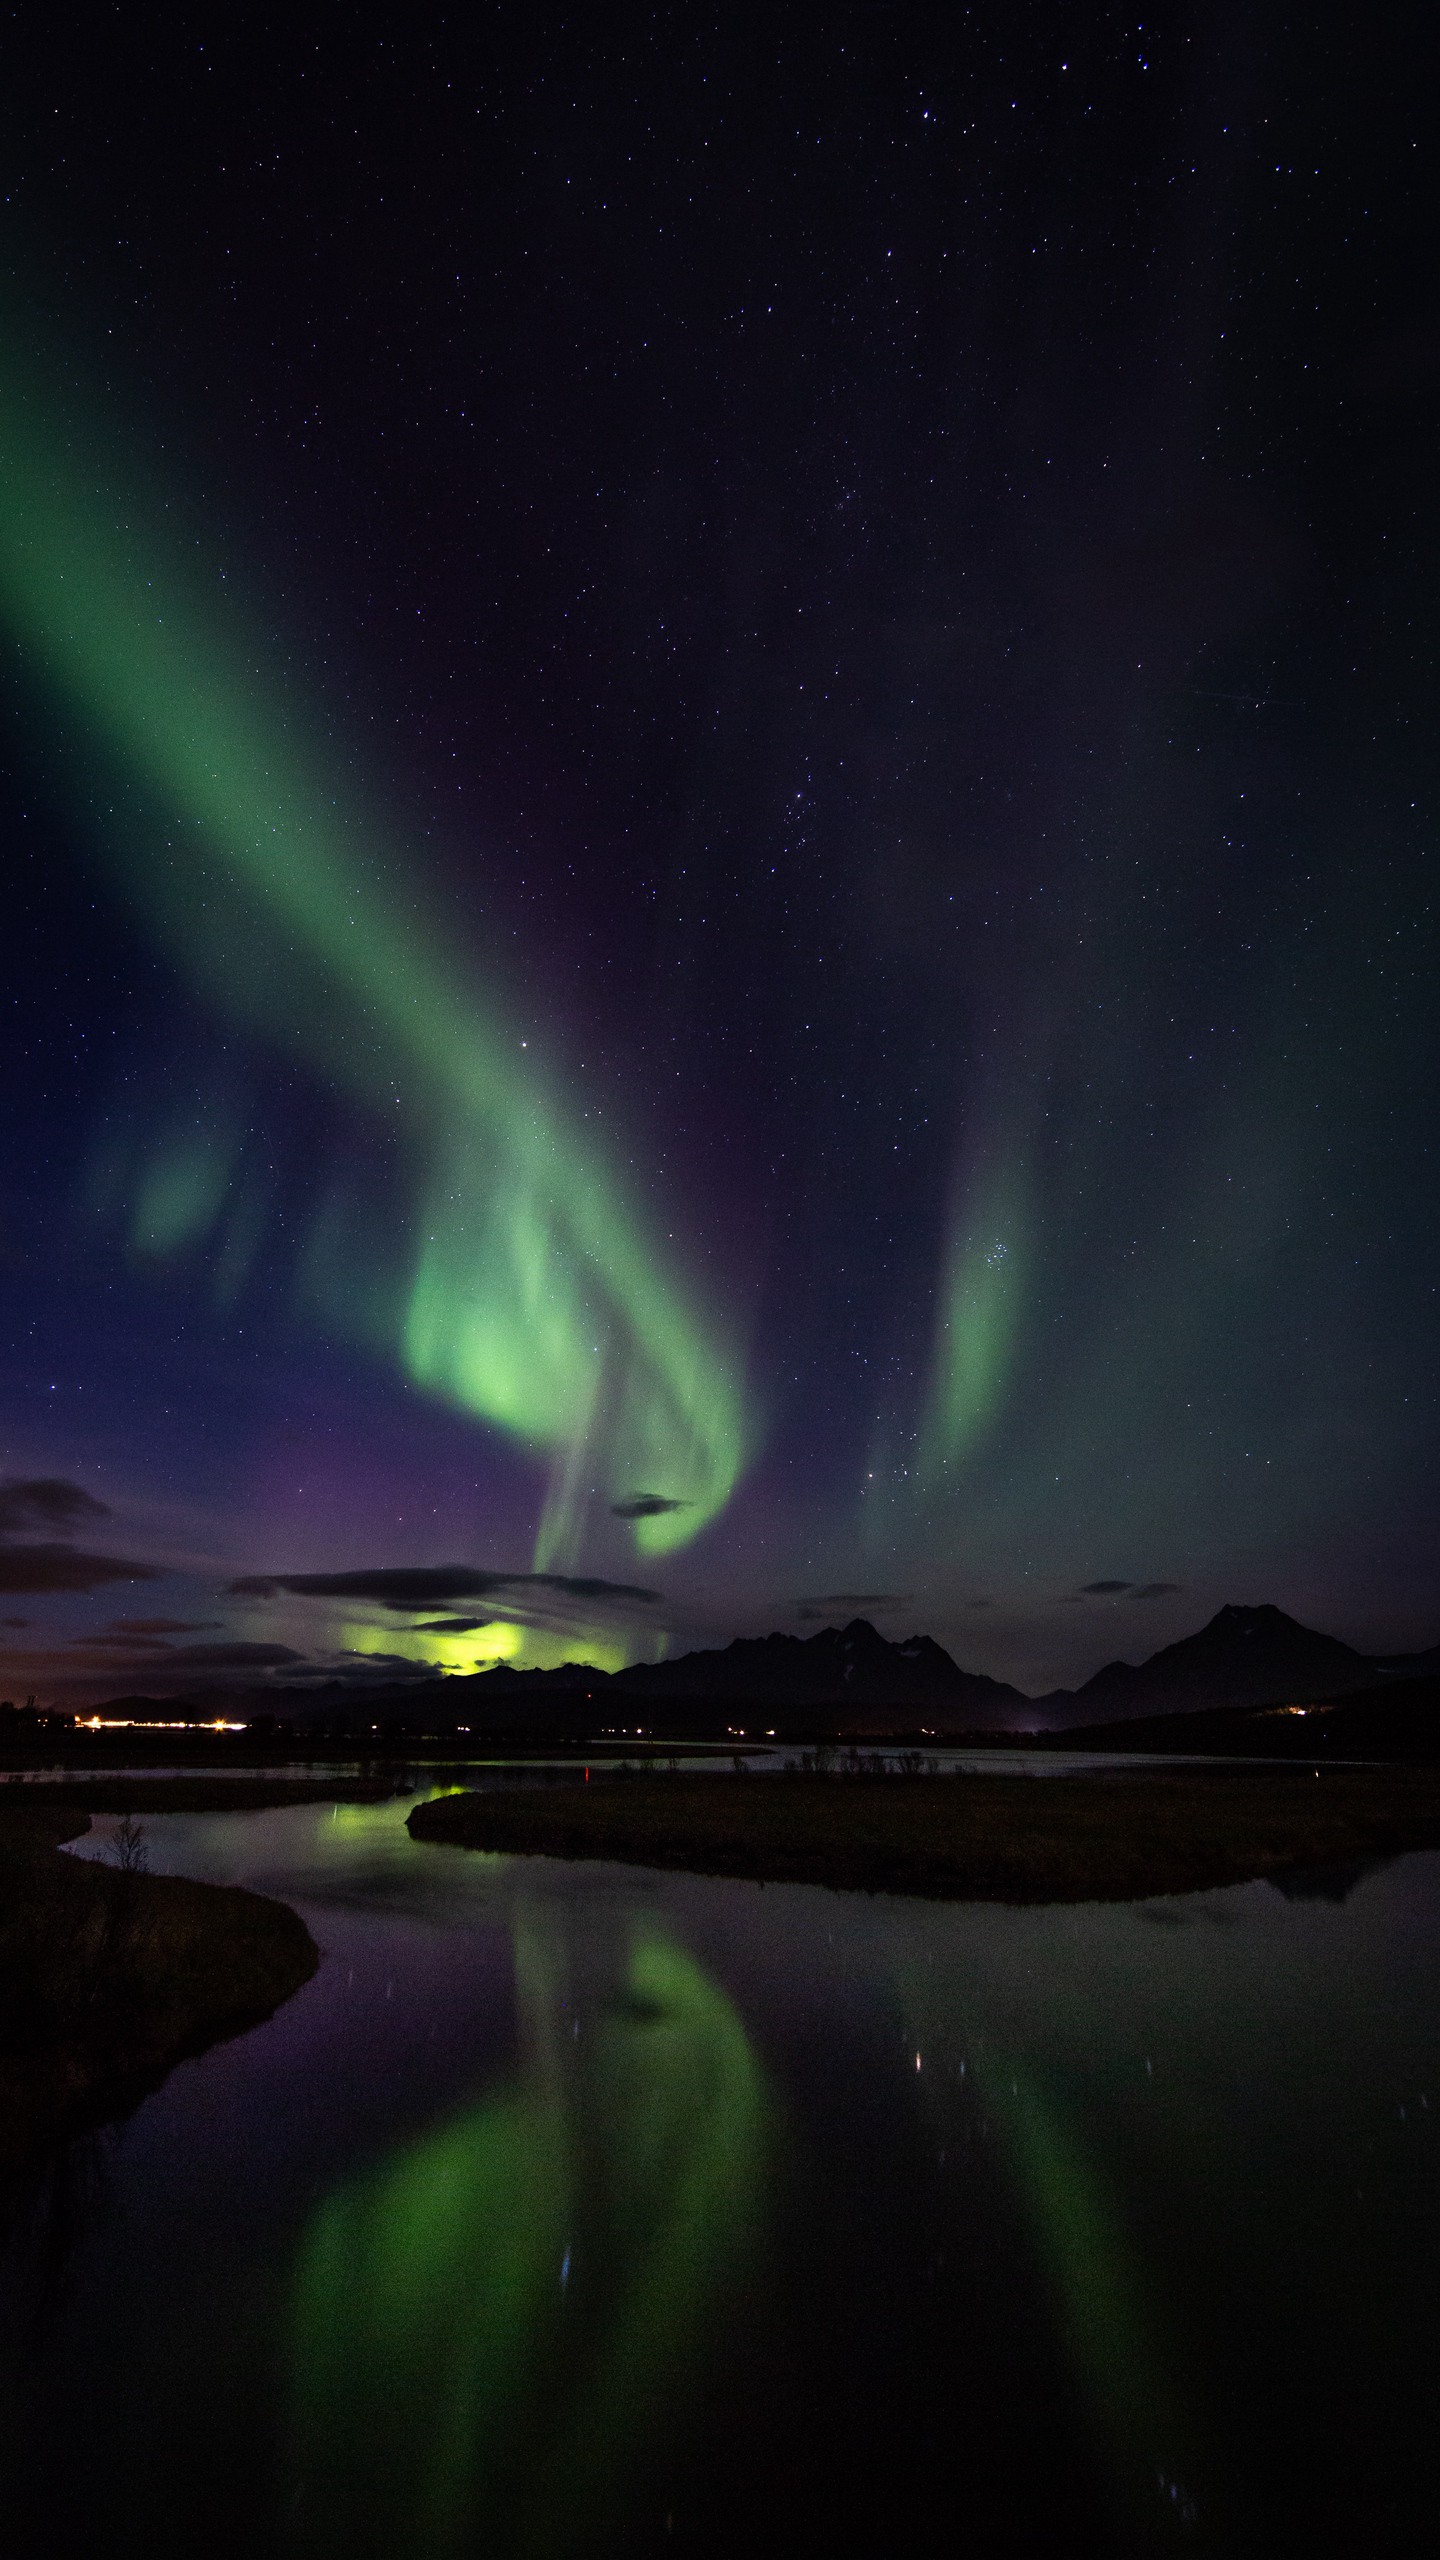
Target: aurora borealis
(718, 822)
(526, 1254)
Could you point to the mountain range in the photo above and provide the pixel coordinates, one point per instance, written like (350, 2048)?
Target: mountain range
(844, 1667)
(854, 1679)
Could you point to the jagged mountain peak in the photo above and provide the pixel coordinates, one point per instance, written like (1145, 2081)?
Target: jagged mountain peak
(1245, 1655)
(845, 1666)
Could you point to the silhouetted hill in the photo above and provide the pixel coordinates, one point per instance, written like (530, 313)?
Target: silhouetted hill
(1410, 1666)
(1243, 1658)
(1394, 1720)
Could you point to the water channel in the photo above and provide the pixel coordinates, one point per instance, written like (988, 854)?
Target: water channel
(575, 2209)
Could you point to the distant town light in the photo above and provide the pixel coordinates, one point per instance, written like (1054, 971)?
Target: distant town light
(158, 1724)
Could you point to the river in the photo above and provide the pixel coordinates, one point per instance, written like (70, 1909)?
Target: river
(579, 2210)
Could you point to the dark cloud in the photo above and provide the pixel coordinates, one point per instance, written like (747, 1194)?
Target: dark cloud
(648, 1506)
(46, 1503)
(979, 1604)
(50, 1568)
(450, 1626)
(51, 1504)
(1137, 1590)
(358, 1668)
(856, 1600)
(429, 1586)
(106, 1643)
(826, 1603)
(583, 1586)
(14, 1622)
(128, 1627)
(144, 1635)
(230, 1657)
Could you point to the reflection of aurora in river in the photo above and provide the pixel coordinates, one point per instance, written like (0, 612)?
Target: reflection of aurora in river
(1117, 2354)
(540, 1294)
(1122, 2351)
(494, 2328)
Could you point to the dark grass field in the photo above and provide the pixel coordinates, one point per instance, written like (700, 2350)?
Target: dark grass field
(984, 1839)
(108, 1977)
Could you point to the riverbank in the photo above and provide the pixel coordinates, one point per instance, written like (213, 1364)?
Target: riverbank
(108, 1978)
(189, 1794)
(972, 1838)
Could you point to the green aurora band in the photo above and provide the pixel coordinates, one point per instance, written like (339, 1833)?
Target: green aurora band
(540, 1296)
(977, 1320)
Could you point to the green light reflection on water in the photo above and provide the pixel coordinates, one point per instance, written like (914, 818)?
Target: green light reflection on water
(1118, 2335)
(496, 2330)
(1110, 2328)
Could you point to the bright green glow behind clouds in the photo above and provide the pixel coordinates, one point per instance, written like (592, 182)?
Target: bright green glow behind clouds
(499, 1640)
(539, 1298)
(461, 2382)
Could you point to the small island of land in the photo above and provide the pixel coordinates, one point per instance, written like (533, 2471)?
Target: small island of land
(1107, 1838)
(108, 1976)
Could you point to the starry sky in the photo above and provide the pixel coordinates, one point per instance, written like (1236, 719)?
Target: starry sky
(717, 799)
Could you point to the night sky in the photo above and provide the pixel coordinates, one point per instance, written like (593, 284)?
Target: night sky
(716, 787)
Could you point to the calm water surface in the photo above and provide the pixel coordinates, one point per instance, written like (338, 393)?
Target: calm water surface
(575, 2210)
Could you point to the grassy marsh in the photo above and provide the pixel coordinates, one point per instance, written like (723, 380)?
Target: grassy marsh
(1106, 1837)
(108, 1977)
